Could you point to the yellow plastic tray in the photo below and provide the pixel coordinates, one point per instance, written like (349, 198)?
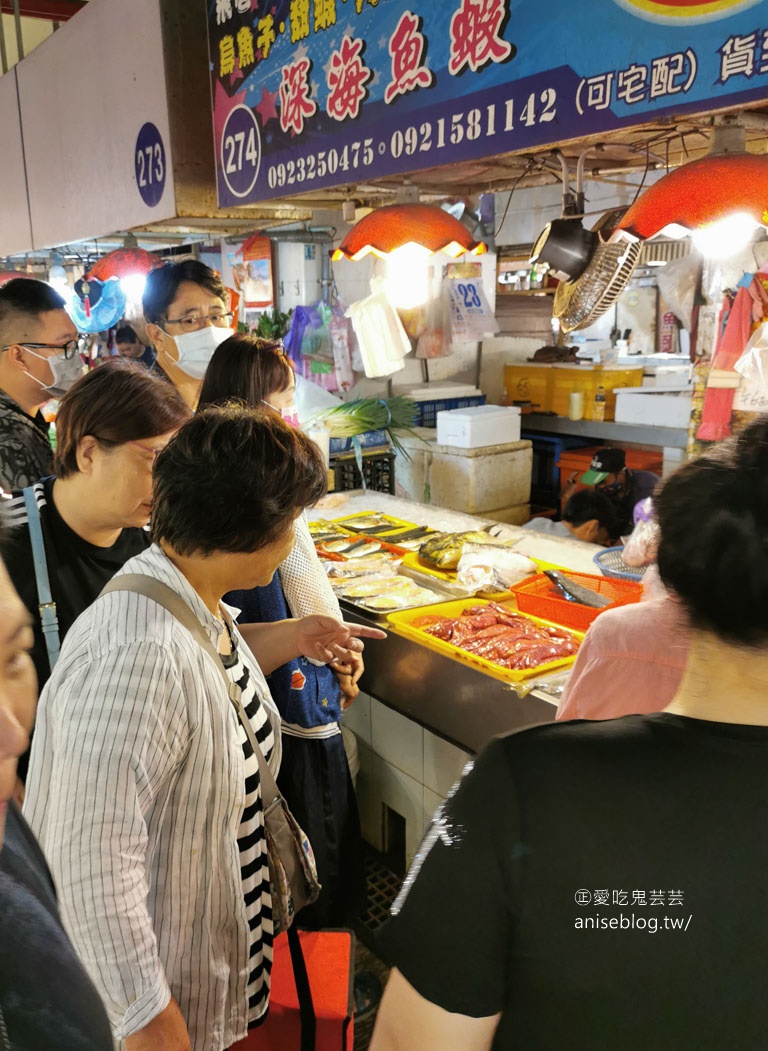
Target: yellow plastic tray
(413, 562)
(402, 623)
(398, 524)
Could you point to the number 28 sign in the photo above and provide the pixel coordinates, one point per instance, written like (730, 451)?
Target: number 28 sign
(241, 151)
(149, 163)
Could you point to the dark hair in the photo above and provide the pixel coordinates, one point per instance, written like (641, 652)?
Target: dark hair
(120, 401)
(713, 549)
(125, 334)
(23, 300)
(163, 284)
(245, 368)
(232, 480)
(589, 504)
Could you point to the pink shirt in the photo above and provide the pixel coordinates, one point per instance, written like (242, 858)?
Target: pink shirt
(630, 663)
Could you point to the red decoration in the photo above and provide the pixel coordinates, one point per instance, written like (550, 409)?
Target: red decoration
(396, 225)
(700, 193)
(124, 262)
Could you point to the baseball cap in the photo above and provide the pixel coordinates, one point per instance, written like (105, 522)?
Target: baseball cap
(604, 462)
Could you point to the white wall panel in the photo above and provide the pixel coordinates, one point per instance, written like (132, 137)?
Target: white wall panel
(85, 94)
(15, 231)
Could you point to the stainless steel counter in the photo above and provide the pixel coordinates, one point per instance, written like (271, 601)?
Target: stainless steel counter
(451, 699)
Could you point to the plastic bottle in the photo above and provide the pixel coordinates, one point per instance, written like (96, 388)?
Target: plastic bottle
(598, 408)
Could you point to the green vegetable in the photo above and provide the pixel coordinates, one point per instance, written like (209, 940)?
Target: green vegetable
(370, 414)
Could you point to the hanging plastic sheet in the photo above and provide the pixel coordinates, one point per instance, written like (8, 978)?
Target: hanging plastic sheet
(381, 337)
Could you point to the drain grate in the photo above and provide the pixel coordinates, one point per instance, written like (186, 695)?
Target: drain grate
(383, 887)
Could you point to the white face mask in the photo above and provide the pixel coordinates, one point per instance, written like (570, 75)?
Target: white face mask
(65, 372)
(290, 415)
(196, 349)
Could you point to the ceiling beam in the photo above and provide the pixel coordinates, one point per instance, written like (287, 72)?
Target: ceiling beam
(51, 10)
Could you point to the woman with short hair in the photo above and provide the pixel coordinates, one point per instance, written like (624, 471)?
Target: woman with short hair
(110, 426)
(314, 777)
(144, 787)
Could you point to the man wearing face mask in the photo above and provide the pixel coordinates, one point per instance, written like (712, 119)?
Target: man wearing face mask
(185, 307)
(609, 474)
(39, 360)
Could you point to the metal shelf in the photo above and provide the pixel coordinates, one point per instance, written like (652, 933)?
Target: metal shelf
(662, 437)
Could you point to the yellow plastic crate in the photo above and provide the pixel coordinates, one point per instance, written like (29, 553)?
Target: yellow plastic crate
(529, 381)
(568, 379)
(402, 623)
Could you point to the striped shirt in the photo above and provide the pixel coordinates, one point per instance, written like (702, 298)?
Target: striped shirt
(136, 791)
(254, 867)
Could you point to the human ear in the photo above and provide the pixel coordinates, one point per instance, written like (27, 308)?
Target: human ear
(87, 449)
(156, 335)
(16, 357)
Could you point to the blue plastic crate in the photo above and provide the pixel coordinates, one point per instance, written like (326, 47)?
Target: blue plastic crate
(366, 440)
(427, 410)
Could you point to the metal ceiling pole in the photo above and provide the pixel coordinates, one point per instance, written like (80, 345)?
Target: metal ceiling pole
(19, 34)
(3, 51)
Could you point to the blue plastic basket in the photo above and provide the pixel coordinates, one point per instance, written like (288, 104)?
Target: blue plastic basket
(426, 411)
(611, 564)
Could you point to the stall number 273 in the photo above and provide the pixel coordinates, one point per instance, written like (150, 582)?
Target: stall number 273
(150, 162)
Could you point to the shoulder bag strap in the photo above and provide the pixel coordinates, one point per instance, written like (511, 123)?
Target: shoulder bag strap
(181, 610)
(46, 606)
(175, 604)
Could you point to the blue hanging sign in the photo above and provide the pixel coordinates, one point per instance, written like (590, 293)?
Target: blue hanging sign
(149, 164)
(316, 93)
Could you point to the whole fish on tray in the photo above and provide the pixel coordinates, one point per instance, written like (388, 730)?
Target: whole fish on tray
(443, 550)
(574, 592)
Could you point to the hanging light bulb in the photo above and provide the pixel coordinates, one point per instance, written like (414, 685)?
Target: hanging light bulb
(726, 237)
(57, 275)
(407, 280)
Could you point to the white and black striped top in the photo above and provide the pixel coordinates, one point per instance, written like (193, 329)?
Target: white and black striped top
(254, 869)
(137, 790)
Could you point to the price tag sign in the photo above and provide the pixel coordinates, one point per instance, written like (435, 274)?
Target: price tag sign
(241, 151)
(149, 161)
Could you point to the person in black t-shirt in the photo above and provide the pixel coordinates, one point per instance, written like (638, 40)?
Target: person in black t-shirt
(110, 426)
(597, 884)
(46, 998)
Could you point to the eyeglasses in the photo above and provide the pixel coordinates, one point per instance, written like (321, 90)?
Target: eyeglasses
(154, 453)
(194, 322)
(68, 349)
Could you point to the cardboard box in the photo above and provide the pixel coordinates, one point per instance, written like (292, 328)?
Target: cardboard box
(654, 407)
(477, 427)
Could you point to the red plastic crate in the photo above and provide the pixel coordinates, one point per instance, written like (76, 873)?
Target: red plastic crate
(539, 597)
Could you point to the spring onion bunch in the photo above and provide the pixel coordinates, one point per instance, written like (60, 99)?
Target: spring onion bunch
(370, 414)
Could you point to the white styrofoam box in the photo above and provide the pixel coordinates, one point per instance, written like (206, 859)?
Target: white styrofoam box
(439, 391)
(654, 360)
(478, 426)
(669, 377)
(654, 407)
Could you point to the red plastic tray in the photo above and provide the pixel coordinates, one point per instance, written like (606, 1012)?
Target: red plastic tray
(539, 597)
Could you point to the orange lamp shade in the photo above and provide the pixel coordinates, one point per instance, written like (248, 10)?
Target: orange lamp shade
(700, 193)
(395, 225)
(124, 262)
